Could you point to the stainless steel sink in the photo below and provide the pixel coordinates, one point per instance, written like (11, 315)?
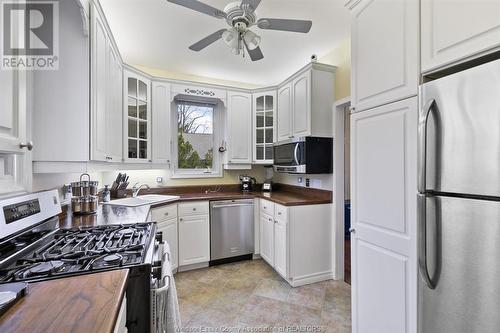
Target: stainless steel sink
(142, 200)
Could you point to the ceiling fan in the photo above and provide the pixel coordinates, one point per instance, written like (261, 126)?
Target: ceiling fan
(240, 17)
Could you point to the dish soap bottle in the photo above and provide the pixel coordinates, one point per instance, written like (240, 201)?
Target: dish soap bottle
(106, 194)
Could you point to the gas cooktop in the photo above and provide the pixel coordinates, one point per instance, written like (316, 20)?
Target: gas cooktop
(78, 250)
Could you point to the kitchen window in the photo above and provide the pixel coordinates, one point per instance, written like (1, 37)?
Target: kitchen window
(197, 129)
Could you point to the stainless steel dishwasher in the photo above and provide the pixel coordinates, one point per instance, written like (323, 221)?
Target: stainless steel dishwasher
(231, 230)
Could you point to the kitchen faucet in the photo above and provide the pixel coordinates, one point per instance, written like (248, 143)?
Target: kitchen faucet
(135, 189)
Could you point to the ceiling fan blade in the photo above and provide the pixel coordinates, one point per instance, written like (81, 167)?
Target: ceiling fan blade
(285, 25)
(252, 3)
(207, 41)
(255, 54)
(200, 7)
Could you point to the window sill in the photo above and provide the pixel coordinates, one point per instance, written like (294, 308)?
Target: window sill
(196, 175)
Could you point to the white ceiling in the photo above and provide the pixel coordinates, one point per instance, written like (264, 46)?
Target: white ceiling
(157, 34)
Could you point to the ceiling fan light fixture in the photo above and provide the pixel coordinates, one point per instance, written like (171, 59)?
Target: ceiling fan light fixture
(252, 39)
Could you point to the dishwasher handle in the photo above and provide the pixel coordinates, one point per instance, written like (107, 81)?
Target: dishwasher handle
(232, 205)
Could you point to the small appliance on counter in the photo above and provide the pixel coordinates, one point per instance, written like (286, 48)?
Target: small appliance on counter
(267, 186)
(85, 198)
(247, 183)
(119, 187)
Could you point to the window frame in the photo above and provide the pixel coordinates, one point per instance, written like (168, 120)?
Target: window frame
(217, 170)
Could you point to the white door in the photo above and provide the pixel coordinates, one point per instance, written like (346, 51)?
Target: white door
(383, 242)
(194, 240)
(161, 114)
(384, 41)
(454, 31)
(267, 238)
(169, 230)
(239, 128)
(114, 112)
(99, 82)
(280, 247)
(302, 105)
(284, 125)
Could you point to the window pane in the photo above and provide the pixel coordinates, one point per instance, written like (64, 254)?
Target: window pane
(269, 103)
(260, 136)
(195, 136)
(132, 128)
(260, 103)
(143, 110)
(269, 119)
(260, 120)
(269, 136)
(143, 129)
(269, 152)
(132, 107)
(132, 87)
(143, 91)
(143, 149)
(132, 148)
(260, 153)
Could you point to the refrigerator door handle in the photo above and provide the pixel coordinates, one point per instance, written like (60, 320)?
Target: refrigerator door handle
(422, 144)
(422, 240)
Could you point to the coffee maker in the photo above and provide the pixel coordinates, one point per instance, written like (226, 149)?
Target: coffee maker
(247, 183)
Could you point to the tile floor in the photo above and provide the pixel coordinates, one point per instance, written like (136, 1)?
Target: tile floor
(251, 295)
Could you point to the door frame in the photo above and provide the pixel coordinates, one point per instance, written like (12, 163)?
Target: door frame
(339, 109)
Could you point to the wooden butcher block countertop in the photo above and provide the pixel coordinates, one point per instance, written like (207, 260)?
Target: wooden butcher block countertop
(85, 303)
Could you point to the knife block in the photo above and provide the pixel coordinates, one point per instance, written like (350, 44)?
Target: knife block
(118, 193)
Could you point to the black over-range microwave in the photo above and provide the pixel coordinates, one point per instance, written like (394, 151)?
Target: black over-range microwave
(307, 155)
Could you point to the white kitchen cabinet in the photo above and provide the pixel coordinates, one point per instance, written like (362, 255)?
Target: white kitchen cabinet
(137, 118)
(121, 320)
(383, 241)
(281, 247)
(267, 238)
(384, 43)
(239, 128)
(161, 117)
(169, 229)
(284, 126)
(106, 93)
(194, 233)
(305, 103)
(264, 126)
(301, 92)
(453, 32)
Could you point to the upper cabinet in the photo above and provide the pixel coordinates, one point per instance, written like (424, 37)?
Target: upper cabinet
(239, 128)
(106, 93)
(384, 43)
(137, 124)
(264, 120)
(454, 32)
(161, 120)
(305, 103)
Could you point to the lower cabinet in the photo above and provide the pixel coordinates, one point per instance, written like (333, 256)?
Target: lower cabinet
(267, 238)
(121, 320)
(169, 228)
(296, 246)
(194, 234)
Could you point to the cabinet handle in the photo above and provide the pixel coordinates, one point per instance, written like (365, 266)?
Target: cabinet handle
(352, 108)
(279, 213)
(181, 220)
(194, 209)
(275, 221)
(166, 214)
(28, 145)
(352, 230)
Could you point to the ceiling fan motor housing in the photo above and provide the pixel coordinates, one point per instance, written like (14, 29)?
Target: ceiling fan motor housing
(239, 16)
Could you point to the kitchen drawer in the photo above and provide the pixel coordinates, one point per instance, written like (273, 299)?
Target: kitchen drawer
(195, 208)
(281, 212)
(266, 207)
(164, 213)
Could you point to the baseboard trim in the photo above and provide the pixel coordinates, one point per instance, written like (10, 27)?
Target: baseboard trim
(309, 279)
(191, 267)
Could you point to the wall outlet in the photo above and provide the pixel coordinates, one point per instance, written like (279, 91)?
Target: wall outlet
(308, 182)
(159, 180)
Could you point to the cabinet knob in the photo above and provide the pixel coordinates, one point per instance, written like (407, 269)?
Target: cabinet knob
(28, 145)
(166, 214)
(181, 219)
(352, 230)
(279, 213)
(194, 209)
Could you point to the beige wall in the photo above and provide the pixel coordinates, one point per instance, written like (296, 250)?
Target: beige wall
(340, 56)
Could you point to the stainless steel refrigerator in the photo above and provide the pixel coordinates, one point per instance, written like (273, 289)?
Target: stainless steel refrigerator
(459, 202)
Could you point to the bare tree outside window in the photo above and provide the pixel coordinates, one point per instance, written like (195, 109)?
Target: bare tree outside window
(195, 136)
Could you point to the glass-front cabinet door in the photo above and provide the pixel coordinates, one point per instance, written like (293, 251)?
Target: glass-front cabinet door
(264, 127)
(138, 119)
